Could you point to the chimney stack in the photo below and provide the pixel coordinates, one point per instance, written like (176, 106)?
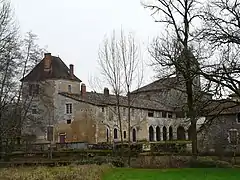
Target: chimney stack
(71, 70)
(83, 89)
(106, 91)
(47, 62)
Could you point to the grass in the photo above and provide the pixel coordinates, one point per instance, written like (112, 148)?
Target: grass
(84, 172)
(173, 174)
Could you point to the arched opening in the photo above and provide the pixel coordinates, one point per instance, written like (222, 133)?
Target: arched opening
(107, 133)
(189, 134)
(170, 133)
(181, 133)
(115, 134)
(164, 133)
(134, 136)
(158, 133)
(151, 133)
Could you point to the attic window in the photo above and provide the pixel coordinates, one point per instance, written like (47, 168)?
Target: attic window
(150, 113)
(164, 114)
(169, 115)
(69, 88)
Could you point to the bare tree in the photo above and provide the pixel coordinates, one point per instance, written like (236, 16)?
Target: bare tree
(121, 64)
(220, 29)
(178, 49)
(110, 64)
(133, 73)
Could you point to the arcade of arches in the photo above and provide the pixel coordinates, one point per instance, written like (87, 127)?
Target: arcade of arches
(167, 133)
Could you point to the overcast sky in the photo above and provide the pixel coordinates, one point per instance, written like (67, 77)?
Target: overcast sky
(74, 29)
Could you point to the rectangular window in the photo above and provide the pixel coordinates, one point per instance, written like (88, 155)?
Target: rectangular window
(233, 136)
(124, 134)
(69, 108)
(69, 121)
(115, 109)
(150, 113)
(102, 109)
(169, 115)
(124, 111)
(69, 88)
(158, 114)
(34, 110)
(164, 114)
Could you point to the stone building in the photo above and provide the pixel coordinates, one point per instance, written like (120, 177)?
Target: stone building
(65, 111)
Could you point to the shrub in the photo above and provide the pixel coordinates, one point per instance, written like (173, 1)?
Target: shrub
(207, 162)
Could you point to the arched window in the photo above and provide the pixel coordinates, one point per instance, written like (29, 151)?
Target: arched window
(151, 133)
(158, 133)
(115, 133)
(170, 133)
(164, 133)
(181, 133)
(134, 135)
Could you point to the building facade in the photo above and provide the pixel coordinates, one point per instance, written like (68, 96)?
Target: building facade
(64, 111)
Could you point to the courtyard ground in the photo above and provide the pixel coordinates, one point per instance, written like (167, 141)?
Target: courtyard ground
(173, 174)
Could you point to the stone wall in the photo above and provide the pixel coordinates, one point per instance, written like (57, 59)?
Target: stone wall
(215, 137)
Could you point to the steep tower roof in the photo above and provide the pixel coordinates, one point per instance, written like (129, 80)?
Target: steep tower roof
(51, 67)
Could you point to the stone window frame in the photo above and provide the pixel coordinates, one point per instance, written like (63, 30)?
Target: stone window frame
(232, 129)
(69, 88)
(69, 121)
(34, 109)
(124, 134)
(70, 108)
(151, 113)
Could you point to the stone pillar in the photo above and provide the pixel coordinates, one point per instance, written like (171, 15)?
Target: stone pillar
(154, 133)
(161, 133)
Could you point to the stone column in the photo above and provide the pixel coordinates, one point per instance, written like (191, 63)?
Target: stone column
(154, 133)
(161, 133)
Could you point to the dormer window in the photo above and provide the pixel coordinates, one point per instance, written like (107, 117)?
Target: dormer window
(69, 88)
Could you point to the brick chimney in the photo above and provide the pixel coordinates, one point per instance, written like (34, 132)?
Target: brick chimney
(71, 70)
(47, 62)
(106, 91)
(83, 89)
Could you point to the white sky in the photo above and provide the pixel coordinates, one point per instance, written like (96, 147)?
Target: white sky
(74, 29)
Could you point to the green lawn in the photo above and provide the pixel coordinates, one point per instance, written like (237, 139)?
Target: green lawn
(173, 174)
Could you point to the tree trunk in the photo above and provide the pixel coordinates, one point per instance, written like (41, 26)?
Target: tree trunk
(129, 130)
(120, 125)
